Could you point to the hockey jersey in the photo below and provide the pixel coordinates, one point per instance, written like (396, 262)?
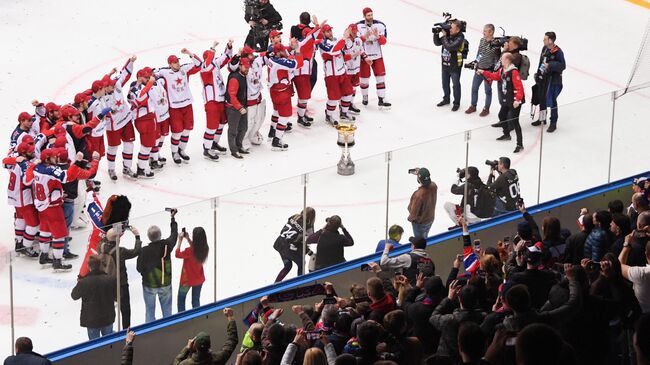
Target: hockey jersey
(140, 97)
(352, 46)
(332, 52)
(18, 193)
(307, 47)
(372, 42)
(47, 182)
(280, 70)
(177, 82)
(158, 95)
(17, 136)
(121, 110)
(95, 107)
(214, 88)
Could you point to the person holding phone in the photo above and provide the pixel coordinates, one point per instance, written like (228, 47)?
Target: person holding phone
(192, 276)
(639, 276)
(330, 243)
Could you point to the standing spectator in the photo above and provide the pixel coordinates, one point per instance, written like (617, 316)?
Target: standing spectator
(486, 57)
(419, 303)
(539, 282)
(642, 340)
(107, 246)
(25, 354)
(422, 207)
(236, 108)
(394, 236)
(330, 243)
(382, 302)
(511, 100)
(412, 263)
(192, 276)
(471, 343)
(453, 46)
(97, 292)
(639, 276)
(549, 79)
(598, 241)
(155, 266)
(197, 351)
(575, 244)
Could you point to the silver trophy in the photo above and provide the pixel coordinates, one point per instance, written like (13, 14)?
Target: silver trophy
(345, 140)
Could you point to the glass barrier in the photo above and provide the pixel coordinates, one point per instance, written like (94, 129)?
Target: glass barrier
(6, 308)
(442, 157)
(630, 134)
(248, 223)
(358, 199)
(575, 156)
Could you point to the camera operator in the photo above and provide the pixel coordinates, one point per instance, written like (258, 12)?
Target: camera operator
(477, 206)
(262, 17)
(486, 58)
(548, 80)
(453, 46)
(511, 97)
(506, 185)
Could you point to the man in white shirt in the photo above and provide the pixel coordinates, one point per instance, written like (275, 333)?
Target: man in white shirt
(639, 276)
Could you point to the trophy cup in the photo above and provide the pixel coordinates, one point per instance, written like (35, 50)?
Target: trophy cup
(345, 140)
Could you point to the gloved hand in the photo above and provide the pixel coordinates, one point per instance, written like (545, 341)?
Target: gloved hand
(104, 112)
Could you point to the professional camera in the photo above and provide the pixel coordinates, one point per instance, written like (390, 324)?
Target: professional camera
(492, 163)
(471, 65)
(500, 41)
(461, 173)
(446, 25)
(414, 171)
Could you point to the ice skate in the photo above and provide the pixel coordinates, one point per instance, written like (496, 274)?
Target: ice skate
(308, 118)
(289, 128)
(271, 134)
(141, 174)
(183, 155)
(257, 139)
(346, 117)
(210, 155)
(304, 122)
(155, 165)
(177, 158)
(354, 110)
(127, 172)
(58, 266)
(278, 145)
(112, 174)
(44, 259)
(28, 252)
(365, 100)
(384, 105)
(220, 150)
(331, 120)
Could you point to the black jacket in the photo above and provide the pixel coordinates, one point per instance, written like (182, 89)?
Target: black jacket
(575, 248)
(447, 320)
(504, 186)
(330, 246)
(150, 260)
(27, 358)
(106, 246)
(97, 292)
(242, 89)
(556, 65)
(539, 283)
(266, 11)
(452, 50)
(418, 308)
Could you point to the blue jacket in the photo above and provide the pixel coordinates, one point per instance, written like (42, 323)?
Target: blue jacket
(381, 244)
(27, 358)
(597, 244)
(556, 64)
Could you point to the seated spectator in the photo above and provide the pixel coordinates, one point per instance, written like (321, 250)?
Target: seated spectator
(448, 316)
(575, 244)
(538, 282)
(25, 354)
(97, 292)
(192, 276)
(394, 236)
(410, 264)
(639, 276)
(198, 349)
(641, 340)
(471, 343)
(382, 303)
(330, 243)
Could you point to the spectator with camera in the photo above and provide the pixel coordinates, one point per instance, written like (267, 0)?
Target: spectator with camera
(422, 206)
(639, 276)
(198, 349)
(511, 99)
(155, 266)
(330, 244)
(538, 282)
(411, 264)
(504, 182)
(480, 200)
(548, 79)
(454, 49)
(97, 292)
(486, 58)
(262, 17)
(192, 276)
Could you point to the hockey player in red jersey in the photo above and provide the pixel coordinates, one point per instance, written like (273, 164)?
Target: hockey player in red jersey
(280, 81)
(373, 33)
(180, 101)
(47, 177)
(337, 81)
(145, 119)
(214, 90)
(119, 128)
(302, 79)
(20, 197)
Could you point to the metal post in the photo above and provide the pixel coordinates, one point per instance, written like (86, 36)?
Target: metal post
(468, 136)
(539, 167)
(215, 208)
(11, 300)
(305, 179)
(389, 157)
(611, 138)
(118, 229)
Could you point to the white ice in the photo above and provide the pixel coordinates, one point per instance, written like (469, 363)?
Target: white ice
(54, 49)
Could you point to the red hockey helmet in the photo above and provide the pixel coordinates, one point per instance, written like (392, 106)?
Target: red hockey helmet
(47, 153)
(25, 148)
(61, 153)
(172, 59)
(24, 116)
(97, 85)
(52, 107)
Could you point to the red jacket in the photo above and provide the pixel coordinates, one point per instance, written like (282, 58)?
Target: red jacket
(192, 272)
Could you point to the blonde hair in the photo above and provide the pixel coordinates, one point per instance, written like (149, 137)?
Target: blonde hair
(314, 356)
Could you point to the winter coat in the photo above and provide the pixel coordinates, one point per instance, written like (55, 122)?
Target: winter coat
(330, 246)
(597, 244)
(27, 358)
(97, 292)
(127, 354)
(150, 264)
(186, 357)
(106, 246)
(538, 282)
(575, 248)
(422, 207)
(419, 307)
(447, 320)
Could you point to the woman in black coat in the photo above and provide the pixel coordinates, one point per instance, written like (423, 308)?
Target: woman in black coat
(330, 243)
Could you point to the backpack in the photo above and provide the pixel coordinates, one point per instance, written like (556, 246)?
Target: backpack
(484, 201)
(106, 259)
(524, 68)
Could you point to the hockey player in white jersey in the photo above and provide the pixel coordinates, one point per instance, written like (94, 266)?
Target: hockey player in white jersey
(181, 115)
(354, 48)
(161, 106)
(280, 84)
(373, 33)
(145, 119)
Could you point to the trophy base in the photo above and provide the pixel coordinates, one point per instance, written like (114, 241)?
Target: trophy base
(345, 167)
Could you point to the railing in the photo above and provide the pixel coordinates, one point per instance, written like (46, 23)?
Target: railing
(597, 141)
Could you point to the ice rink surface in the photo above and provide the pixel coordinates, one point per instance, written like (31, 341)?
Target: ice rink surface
(52, 50)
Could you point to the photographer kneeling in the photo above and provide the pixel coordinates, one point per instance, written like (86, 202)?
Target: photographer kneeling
(262, 18)
(506, 185)
(480, 200)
